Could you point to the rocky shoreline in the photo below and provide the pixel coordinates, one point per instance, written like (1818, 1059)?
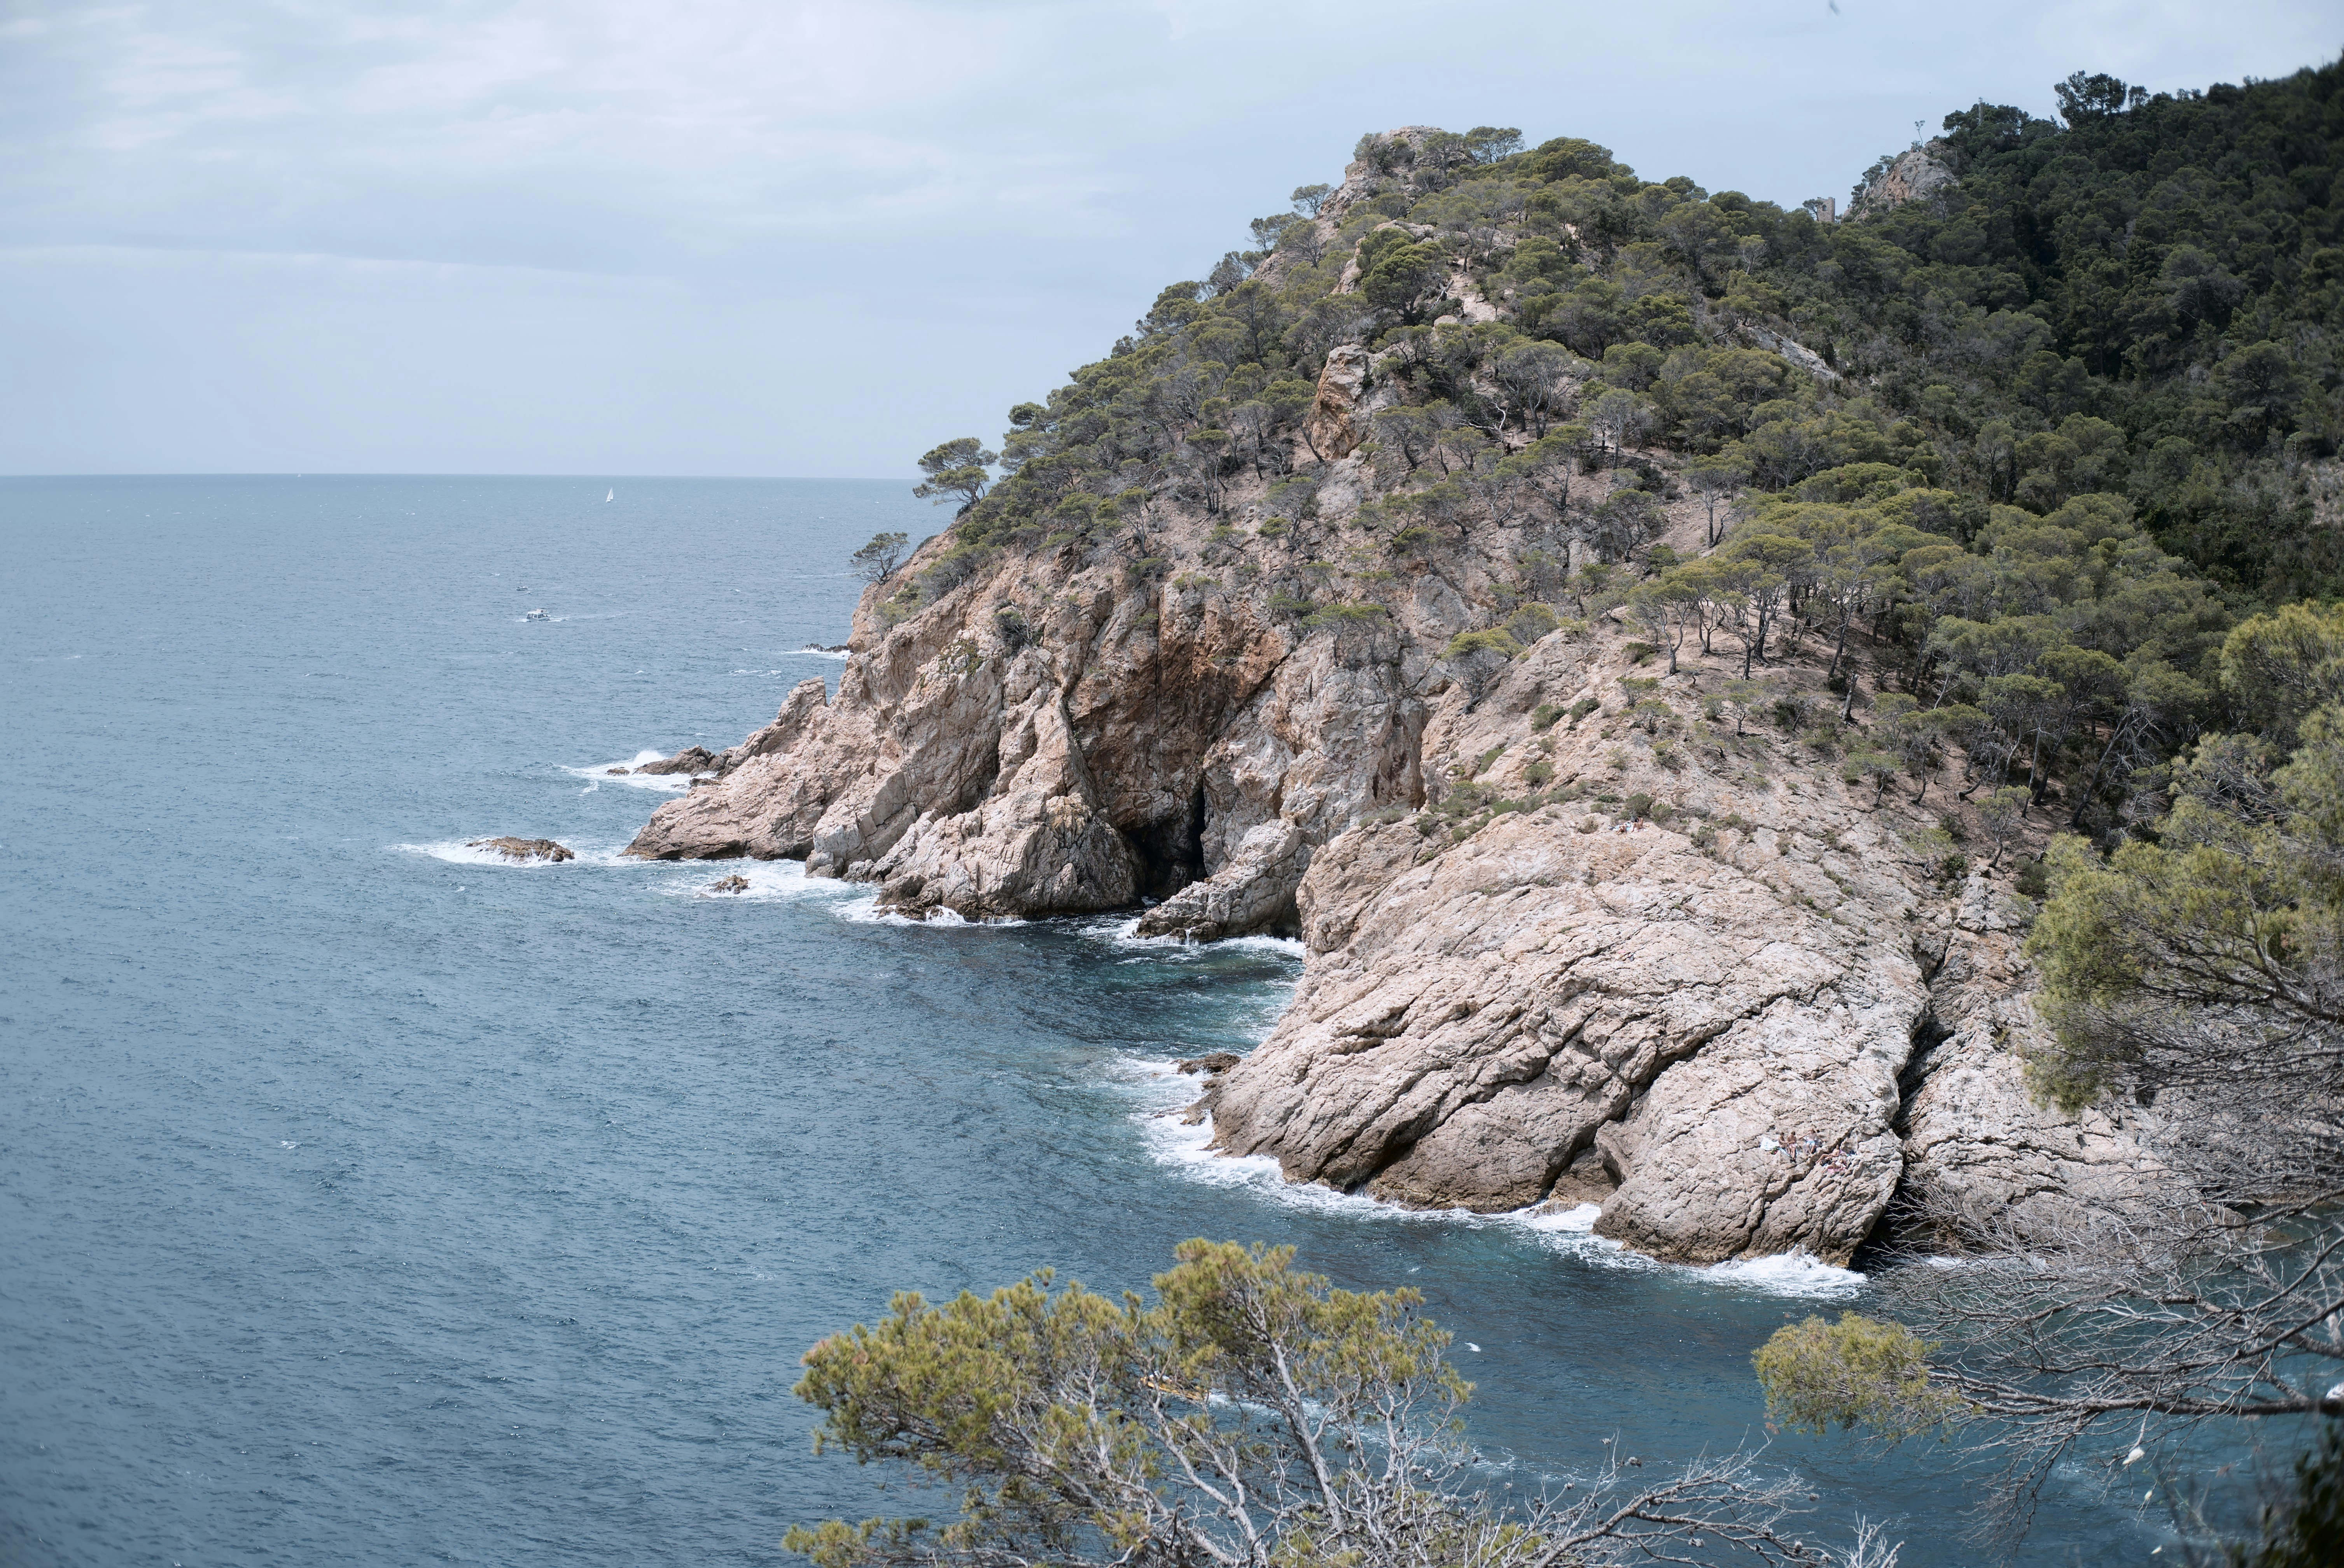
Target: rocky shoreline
(1627, 957)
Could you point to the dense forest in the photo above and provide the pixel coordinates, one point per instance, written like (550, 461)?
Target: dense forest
(2052, 408)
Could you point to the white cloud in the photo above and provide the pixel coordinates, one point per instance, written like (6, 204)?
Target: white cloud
(907, 172)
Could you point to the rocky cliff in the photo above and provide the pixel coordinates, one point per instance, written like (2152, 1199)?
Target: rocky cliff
(1580, 928)
(1629, 958)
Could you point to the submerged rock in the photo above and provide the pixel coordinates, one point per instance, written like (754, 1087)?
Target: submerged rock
(524, 850)
(736, 883)
(1210, 1062)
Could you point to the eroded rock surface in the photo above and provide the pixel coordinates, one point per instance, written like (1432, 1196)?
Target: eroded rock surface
(1917, 173)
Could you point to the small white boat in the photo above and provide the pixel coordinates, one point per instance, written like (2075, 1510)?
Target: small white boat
(613, 496)
(537, 615)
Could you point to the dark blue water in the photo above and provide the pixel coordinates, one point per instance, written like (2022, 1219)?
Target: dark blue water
(361, 1202)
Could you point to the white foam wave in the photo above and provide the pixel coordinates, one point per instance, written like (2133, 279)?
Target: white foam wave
(1291, 946)
(767, 879)
(611, 855)
(665, 784)
(865, 911)
(1798, 1273)
(456, 852)
(1187, 1151)
(1123, 932)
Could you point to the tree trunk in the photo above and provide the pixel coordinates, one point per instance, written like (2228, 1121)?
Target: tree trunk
(2085, 799)
(1845, 615)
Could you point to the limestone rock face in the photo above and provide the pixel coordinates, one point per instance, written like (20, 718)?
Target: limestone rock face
(1726, 1036)
(1477, 1019)
(1978, 1152)
(1915, 175)
(1169, 740)
(1335, 424)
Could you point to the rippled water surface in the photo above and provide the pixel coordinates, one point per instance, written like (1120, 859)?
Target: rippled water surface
(363, 1201)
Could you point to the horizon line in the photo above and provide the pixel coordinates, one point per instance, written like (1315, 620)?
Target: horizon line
(364, 473)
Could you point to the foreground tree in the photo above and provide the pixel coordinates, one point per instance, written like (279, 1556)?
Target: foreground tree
(1251, 1416)
(2199, 973)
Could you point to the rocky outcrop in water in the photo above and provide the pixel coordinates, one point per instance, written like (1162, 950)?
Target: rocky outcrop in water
(524, 851)
(691, 760)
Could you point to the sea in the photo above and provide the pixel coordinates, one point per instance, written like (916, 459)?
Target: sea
(364, 1199)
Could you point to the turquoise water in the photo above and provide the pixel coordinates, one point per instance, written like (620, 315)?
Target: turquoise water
(361, 1201)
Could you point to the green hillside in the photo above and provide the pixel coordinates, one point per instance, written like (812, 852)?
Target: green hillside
(2033, 439)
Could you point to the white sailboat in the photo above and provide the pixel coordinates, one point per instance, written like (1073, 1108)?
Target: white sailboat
(613, 496)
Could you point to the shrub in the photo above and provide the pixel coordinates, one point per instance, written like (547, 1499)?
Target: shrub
(1496, 640)
(1291, 606)
(1543, 716)
(1531, 622)
(1857, 1371)
(1010, 625)
(1581, 708)
(1637, 805)
(902, 603)
(1537, 773)
(1345, 614)
(951, 570)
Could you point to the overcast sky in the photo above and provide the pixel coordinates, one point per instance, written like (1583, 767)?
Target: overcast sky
(755, 237)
